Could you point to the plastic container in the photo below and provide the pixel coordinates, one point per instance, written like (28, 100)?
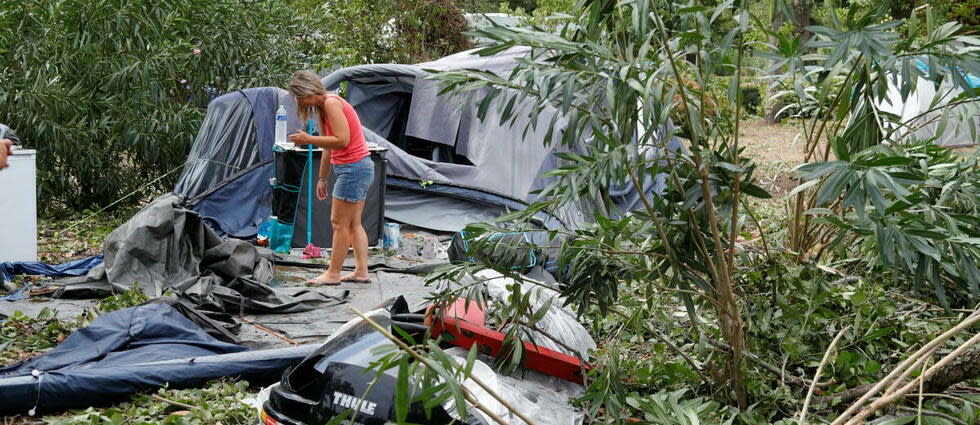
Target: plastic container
(390, 238)
(280, 236)
(265, 228)
(281, 124)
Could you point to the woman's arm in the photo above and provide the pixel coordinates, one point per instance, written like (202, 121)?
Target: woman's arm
(321, 184)
(334, 110)
(324, 165)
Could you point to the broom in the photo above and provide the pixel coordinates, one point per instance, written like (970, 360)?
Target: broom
(311, 251)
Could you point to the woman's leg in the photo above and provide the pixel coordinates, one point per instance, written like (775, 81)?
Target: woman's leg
(341, 213)
(359, 241)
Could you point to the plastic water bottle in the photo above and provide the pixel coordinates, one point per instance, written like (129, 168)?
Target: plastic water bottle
(390, 238)
(281, 125)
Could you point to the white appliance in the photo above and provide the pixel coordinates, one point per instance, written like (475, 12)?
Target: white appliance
(18, 207)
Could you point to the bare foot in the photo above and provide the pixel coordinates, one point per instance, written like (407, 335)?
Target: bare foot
(325, 278)
(356, 277)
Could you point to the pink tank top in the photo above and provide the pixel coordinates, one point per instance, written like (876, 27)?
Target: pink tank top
(356, 148)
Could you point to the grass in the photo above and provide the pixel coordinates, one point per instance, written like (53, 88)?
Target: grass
(220, 402)
(61, 240)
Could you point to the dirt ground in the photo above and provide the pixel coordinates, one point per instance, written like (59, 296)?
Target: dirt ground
(772, 142)
(776, 148)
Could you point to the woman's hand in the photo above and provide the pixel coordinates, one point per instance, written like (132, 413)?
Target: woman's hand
(300, 137)
(321, 190)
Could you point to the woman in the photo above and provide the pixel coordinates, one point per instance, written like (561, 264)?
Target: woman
(348, 153)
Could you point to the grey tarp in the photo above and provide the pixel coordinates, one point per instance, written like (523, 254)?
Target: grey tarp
(559, 321)
(546, 399)
(167, 247)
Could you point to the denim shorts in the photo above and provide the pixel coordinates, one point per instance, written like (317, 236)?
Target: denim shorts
(353, 180)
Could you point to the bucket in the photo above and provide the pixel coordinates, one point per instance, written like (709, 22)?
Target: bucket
(280, 236)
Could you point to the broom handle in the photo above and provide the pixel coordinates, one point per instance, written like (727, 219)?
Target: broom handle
(309, 187)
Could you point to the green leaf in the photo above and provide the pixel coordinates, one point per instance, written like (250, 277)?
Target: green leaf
(542, 311)
(833, 186)
(402, 390)
(816, 170)
(802, 187)
(887, 161)
(924, 247)
(730, 167)
(755, 191)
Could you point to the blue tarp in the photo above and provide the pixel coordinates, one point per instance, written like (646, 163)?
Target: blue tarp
(131, 350)
(72, 268)
(971, 80)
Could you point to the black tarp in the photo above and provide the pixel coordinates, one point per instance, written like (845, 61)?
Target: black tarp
(166, 247)
(131, 350)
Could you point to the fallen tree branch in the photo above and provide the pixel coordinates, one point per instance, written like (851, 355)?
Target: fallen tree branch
(656, 334)
(901, 393)
(816, 376)
(768, 366)
(952, 419)
(845, 279)
(965, 368)
(905, 364)
(171, 402)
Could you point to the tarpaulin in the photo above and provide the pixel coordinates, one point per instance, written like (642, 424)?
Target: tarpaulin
(72, 268)
(166, 247)
(131, 350)
(558, 322)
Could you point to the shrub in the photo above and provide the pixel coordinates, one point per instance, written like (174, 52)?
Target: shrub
(355, 32)
(111, 92)
(431, 29)
(751, 99)
(913, 209)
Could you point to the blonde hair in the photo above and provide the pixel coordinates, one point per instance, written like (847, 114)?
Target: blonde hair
(306, 83)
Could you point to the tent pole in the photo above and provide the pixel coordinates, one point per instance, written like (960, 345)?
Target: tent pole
(309, 186)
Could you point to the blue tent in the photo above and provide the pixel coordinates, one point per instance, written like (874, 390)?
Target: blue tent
(226, 179)
(132, 350)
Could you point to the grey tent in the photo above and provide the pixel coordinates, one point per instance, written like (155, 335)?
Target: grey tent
(447, 167)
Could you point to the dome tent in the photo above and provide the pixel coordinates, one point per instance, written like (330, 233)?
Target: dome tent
(226, 177)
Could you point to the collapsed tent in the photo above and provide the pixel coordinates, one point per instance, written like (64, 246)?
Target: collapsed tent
(226, 177)
(71, 268)
(128, 351)
(166, 247)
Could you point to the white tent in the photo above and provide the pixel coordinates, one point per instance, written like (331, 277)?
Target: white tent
(925, 114)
